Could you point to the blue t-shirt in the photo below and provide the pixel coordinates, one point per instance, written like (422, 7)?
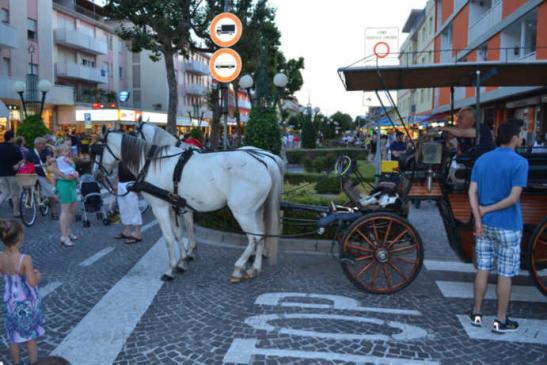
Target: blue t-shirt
(496, 173)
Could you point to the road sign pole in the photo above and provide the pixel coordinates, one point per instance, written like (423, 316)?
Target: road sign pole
(224, 95)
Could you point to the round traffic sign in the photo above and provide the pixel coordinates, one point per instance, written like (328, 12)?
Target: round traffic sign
(225, 65)
(381, 49)
(226, 30)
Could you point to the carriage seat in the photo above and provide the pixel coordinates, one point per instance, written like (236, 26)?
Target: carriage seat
(384, 195)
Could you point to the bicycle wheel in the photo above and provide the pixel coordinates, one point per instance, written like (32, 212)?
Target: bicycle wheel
(27, 205)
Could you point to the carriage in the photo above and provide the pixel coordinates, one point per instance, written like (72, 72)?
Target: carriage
(380, 251)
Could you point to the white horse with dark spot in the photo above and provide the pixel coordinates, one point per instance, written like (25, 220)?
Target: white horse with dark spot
(160, 137)
(244, 181)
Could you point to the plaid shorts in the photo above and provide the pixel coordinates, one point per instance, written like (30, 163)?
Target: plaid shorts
(502, 245)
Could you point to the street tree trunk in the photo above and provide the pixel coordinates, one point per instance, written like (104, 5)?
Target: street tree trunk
(173, 95)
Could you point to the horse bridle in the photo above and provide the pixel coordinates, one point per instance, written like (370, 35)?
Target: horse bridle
(98, 149)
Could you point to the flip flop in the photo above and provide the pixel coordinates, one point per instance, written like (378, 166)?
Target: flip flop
(132, 240)
(122, 236)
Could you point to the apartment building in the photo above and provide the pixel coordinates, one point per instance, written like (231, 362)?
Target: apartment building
(494, 30)
(417, 49)
(68, 43)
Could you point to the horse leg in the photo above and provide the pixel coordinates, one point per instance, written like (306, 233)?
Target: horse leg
(176, 226)
(162, 215)
(249, 223)
(189, 224)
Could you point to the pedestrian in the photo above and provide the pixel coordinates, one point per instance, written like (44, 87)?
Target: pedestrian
(128, 203)
(66, 183)
(397, 147)
(20, 143)
(10, 162)
(497, 180)
(39, 156)
(466, 132)
(24, 321)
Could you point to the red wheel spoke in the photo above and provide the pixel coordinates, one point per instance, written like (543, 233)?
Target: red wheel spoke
(542, 242)
(387, 276)
(387, 232)
(359, 248)
(540, 261)
(404, 259)
(403, 249)
(365, 268)
(375, 232)
(397, 238)
(374, 275)
(362, 258)
(365, 238)
(405, 278)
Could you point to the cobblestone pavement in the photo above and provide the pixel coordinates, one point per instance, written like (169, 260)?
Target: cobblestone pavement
(104, 304)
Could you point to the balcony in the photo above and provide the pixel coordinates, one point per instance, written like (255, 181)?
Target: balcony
(75, 71)
(486, 22)
(197, 67)
(196, 89)
(58, 95)
(80, 41)
(8, 36)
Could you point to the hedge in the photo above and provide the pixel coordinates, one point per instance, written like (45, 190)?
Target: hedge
(296, 156)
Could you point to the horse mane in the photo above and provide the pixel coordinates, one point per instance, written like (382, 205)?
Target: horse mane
(134, 150)
(161, 136)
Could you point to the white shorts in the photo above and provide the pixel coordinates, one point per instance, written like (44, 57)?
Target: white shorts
(129, 207)
(9, 188)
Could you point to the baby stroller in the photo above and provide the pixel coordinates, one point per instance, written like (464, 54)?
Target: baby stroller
(91, 200)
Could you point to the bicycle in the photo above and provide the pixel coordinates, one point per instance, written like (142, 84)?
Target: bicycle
(31, 199)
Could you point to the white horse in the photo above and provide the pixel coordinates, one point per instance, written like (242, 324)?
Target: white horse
(160, 137)
(241, 180)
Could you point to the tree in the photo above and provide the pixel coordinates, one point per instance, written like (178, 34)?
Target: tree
(345, 121)
(32, 127)
(263, 130)
(309, 134)
(164, 27)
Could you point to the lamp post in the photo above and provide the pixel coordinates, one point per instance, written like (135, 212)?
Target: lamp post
(280, 81)
(29, 102)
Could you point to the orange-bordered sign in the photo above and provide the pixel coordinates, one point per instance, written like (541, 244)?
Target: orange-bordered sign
(226, 29)
(225, 65)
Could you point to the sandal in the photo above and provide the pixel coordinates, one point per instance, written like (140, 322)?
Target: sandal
(476, 319)
(132, 240)
(122, 236)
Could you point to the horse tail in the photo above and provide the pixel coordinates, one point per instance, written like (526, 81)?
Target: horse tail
(272, 208)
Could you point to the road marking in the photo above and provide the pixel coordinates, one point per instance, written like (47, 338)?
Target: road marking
(519, 293)
(96, 257)
(454, 266)
(530, 330)
(49, 288)
(149, 225)
(408, 332)
(338, 303)
(100, 335)
(241, 351)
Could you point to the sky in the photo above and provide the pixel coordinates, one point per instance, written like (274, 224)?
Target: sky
(329, 35)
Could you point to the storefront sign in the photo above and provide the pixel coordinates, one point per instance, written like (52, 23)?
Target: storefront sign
(158, 118)
(123, 96)
(523, 102)
(97, 115)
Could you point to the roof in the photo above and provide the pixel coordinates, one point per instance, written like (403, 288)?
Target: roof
(412, 19)
(444, 75)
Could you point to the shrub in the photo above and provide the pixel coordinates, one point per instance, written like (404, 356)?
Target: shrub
(32, 127)
(309, 134)
(262, 130)
(324, 183)
(197, 134)
(296, 156)
(330, 185)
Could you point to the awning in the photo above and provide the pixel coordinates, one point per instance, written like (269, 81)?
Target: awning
(4, 112)
(444, 75)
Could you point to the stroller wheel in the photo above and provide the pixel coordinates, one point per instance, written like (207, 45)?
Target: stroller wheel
(106, 221)
(86, 224)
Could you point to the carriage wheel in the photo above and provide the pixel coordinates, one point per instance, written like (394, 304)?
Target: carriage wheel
(537, 256)
(381, 253)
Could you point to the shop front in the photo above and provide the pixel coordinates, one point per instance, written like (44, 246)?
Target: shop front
(528, 110)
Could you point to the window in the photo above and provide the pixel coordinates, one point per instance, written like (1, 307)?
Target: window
(32, 27)
(6, 67)
(33, 68)
(109, 41)
(4, 16)
(482, 54)
(530, 35)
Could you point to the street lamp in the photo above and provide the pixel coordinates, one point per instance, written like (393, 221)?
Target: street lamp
(43, 86)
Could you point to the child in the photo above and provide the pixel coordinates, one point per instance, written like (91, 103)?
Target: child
(65, 164)
(24, 321)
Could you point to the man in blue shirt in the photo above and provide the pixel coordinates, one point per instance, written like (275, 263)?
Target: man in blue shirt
(497, 180)
(397, 147)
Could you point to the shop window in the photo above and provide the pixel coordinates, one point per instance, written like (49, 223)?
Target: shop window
(32, 28)
(530, 35)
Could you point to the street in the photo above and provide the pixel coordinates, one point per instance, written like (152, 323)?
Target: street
(104, 303)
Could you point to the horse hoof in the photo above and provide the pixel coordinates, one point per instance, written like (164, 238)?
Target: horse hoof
(250, 274)
(166, 278)
(180, 270)
(235, 280)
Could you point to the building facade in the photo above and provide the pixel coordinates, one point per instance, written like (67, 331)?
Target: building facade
(494, 30)
(68, 43)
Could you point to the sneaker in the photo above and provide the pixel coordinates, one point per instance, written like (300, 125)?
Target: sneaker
(476, 319)
(503, 327)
